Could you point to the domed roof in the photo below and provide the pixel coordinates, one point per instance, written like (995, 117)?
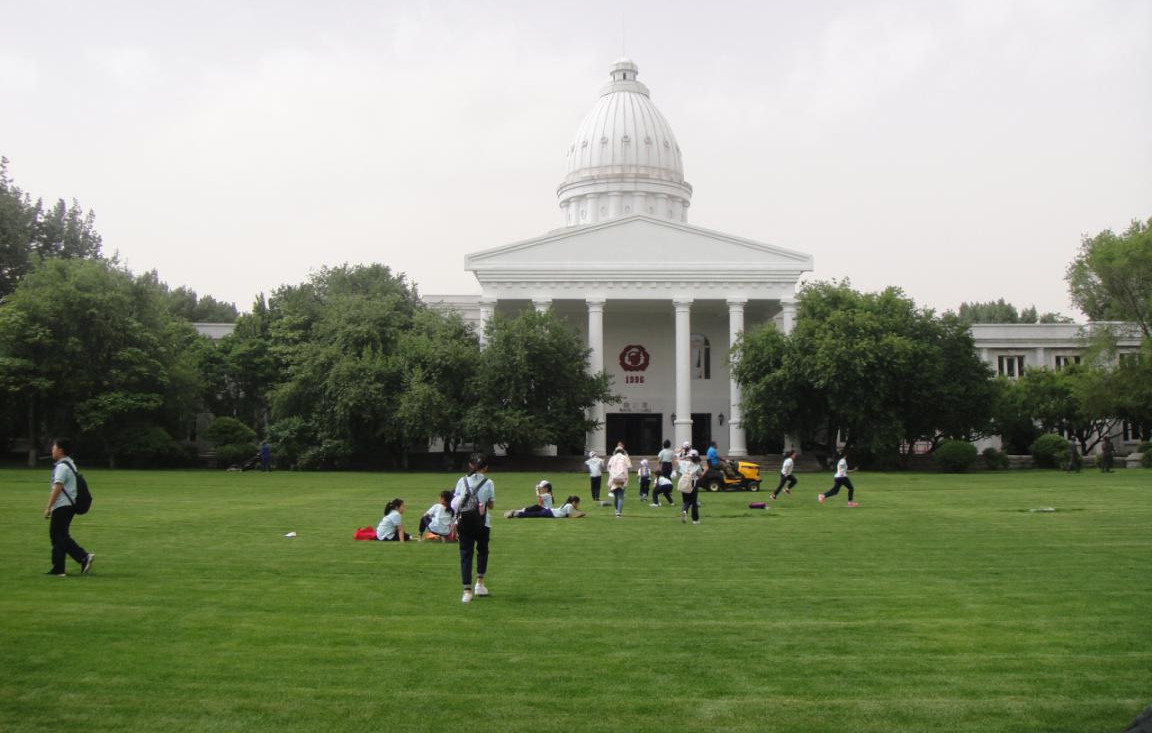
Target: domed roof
(624, 143)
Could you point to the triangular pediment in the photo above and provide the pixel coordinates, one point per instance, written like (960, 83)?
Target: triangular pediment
(626, 245)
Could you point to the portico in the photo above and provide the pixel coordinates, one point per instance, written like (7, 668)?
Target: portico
(661, 303)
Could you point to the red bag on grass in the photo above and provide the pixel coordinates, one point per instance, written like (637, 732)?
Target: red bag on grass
(365, 533)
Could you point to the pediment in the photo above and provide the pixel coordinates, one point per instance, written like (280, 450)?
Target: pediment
(626, 245)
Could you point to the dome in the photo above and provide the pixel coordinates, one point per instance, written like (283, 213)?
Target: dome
(624, 159)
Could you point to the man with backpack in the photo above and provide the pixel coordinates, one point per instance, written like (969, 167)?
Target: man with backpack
(61, 509)
(474, 497)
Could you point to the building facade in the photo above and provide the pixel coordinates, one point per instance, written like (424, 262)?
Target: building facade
(660, 301)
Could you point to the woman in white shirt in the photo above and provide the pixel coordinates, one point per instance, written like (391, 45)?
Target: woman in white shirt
(786, 476)
(841, 479)
(391, 527)
(436, 524)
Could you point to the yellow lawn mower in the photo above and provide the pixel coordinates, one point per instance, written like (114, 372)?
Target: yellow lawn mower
(747, 478)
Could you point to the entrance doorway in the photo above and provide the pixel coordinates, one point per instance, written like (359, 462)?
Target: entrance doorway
(701, 430)
(641, 434)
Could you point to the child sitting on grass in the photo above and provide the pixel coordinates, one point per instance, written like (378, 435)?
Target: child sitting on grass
(436, 524)
(391, 527)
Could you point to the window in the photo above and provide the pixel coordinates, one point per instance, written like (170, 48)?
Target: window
(1135, 433)
(701, 357)
(1066, 361)
(1010, 366)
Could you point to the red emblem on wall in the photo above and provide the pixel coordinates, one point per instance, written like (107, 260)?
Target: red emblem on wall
(634, 358)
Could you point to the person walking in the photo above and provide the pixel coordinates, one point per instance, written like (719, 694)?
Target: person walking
(644, 474)
(690, 470)
(595, 466)
(61, 510)
(474, 496)
(665, 458)
(618, 467)
(786, 476)
(841, 479)
(1107, 454)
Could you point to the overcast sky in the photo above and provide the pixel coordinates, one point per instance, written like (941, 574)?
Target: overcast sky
(958, 150)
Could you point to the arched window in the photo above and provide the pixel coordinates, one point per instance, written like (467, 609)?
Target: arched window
(701, 357)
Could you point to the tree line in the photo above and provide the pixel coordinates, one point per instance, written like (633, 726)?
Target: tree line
(351, 368)
(877, 373)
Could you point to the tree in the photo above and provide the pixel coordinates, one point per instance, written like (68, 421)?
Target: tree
(29, 233)
(1001, 311)
(1111, 277)
(441, 355)
(87, 347)
(1076, 401)
(337, 340)
(870, 369)
(533, 387)
(184, 303)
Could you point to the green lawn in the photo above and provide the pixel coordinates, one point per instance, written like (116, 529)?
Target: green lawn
(941, 604)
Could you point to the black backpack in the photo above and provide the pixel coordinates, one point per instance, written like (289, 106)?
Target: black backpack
(83, 500)
(469, 517)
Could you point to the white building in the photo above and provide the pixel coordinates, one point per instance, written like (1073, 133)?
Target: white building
(659, 300)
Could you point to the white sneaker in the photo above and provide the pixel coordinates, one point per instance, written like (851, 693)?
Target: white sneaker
(684, 517)
(481, 590)
(695, 521)
(655, 505)
(467, 597)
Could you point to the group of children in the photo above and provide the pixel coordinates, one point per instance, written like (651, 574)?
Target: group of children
(688, 469)
(436, 525)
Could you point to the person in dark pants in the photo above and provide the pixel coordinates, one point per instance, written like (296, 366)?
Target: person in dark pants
(690, 471)
(474, 497)
(60, 511)
(595, 466)
(1107, 454)
(840, 480)
(265, 457)
(786, 476)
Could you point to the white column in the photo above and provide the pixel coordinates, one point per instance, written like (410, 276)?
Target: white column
(683, 369)
(596, 438)
(541, 304)
(736, 444)
(789, 322)
(487, 309)
(789, 313)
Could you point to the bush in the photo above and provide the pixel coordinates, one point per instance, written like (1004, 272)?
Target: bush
(995, 460)
(153, 448)
(954, 456)
(330, 455)
(229, 431)
(1146, 458)
(1050, 451)
(234, 454)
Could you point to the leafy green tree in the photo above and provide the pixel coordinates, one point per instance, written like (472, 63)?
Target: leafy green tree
(533, 387)
(86, 347)
(1111, 277)
(30, 233)
(337, 340)
(1001, 311)
(440, 356)
(871, 368)
(1075, 401)
(186, 304)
